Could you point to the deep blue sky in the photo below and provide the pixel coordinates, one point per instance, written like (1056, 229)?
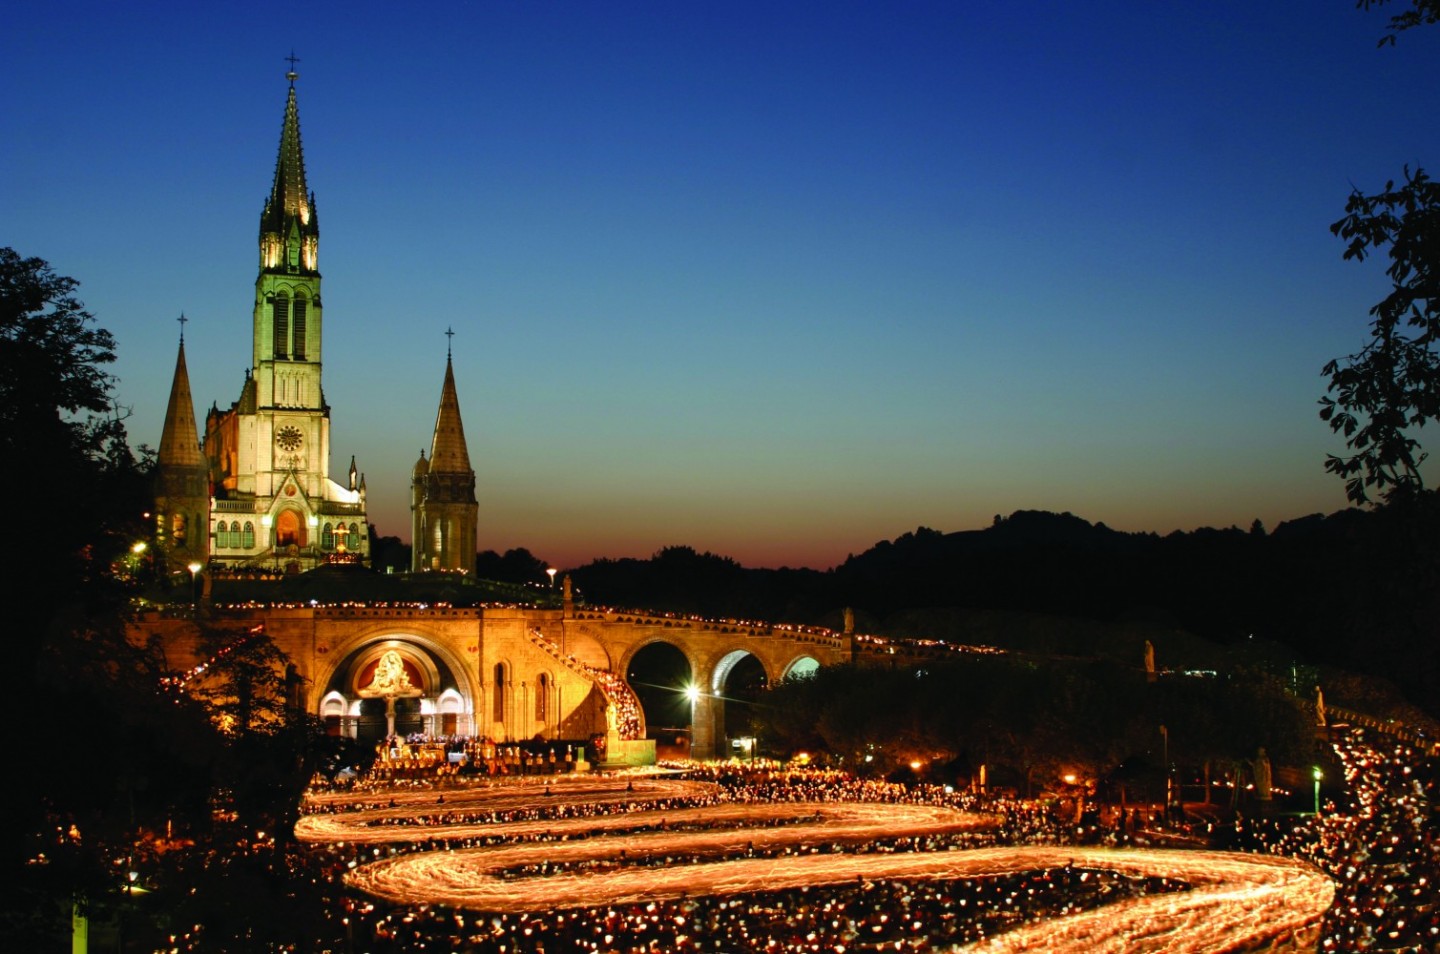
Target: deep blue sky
(776, 280)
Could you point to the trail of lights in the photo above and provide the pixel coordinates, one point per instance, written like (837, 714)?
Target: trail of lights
(1235, 901)
(610, 860)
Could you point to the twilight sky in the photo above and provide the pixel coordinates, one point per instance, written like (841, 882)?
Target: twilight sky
(775, 280)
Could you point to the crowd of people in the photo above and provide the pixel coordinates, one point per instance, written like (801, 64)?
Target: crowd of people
(1378, 841)
(931, 915)
(444, 758)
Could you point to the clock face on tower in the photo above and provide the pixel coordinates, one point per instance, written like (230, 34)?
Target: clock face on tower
(288, 438)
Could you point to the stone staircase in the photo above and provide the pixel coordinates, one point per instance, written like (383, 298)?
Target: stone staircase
(629, 717)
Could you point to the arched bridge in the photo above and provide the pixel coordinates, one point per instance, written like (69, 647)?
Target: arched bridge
(506, 672)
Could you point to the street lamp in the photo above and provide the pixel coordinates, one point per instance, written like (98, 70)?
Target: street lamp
(195, 567)
(551, 571)
(1165, 757)
(1318, 776)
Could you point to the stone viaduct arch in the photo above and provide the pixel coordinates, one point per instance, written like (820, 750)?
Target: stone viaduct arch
(510, 673)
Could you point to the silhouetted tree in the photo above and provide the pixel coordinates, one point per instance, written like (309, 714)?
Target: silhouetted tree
(269, 746)
(1031, 719)
(1390, 387)
(517, 565)
(1421, 12)
(61, 429)
(388, 553)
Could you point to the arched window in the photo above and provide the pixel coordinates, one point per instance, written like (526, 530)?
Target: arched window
(297, 351)
(352, 539)
(248, 541)
(542, 696)
(327, 537)
(234, 539)
(499, 707)
(280, 324)
(221, 535)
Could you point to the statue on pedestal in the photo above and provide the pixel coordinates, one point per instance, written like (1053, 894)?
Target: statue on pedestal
(390, 682)
(1262, 777)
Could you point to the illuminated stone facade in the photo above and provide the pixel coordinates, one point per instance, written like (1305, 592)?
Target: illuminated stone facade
(271, 501)
(257, 493)
(507, 673)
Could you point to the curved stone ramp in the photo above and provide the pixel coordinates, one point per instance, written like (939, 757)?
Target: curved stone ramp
(1236, 902)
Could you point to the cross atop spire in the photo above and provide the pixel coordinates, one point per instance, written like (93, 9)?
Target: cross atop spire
(289, 228)
(182, 319)
(292, 59)
(449, 337)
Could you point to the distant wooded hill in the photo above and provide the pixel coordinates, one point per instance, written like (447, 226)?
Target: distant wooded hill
(1355, 589)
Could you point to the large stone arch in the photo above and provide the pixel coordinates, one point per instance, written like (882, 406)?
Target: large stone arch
(633, 649)
(429, 655)
(715, 704)
(799, 664)
(626, 657)
(725, 662)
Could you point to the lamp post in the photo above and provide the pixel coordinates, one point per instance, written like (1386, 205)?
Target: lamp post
(551, 571)
(195, 567)
(693, 693)
(1318, 775)
(1165, 758)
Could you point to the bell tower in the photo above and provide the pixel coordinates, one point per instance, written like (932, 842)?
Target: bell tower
(442, 501)
(269, 454)
(288, 314)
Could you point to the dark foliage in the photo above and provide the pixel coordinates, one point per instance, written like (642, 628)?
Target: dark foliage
(513, 566)
(1356, 589)
(1031, 718)
(1421, 12)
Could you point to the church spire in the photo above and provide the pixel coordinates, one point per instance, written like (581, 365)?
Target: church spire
(181, 478)
(448, 453)
(289, 227)
(445, 513)
(180, 440)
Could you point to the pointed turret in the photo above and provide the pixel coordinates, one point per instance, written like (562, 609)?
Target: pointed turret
(448, 453)
(182, 478)
(180, 440)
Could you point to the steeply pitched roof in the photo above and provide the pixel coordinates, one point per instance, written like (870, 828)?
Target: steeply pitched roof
(180, 441)
(289, 199)
(448, 453)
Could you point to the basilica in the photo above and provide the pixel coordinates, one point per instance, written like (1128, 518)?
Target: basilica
(253, 496)
(256, 492)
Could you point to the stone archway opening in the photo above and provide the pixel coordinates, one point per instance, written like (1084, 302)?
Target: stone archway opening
(801, 668)
(738, 682)
(660, 676)
(396, 684)
(289, 529)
